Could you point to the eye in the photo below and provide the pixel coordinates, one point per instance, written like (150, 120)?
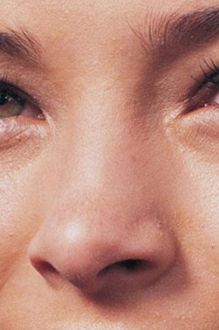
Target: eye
(15, 102)
(206, 92)
(215, 82)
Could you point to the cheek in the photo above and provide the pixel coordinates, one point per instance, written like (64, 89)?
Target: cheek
(17, 222)
(196, 210)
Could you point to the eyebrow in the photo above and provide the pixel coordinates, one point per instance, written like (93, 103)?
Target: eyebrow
(20, 45)
(165, 33)
(173, 33)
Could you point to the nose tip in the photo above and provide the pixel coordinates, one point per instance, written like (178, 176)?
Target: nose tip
(98, 263)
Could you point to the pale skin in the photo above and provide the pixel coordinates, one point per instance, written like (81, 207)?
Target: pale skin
(109, 184)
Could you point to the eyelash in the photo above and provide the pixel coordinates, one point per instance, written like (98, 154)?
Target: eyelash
(13, 92)
(209, 75)
(206, 85)
(205, 88)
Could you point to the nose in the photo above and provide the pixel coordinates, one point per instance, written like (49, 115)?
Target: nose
(96, 258)
(106, 235)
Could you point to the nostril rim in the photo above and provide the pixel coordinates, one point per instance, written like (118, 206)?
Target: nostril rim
(48, 272)
(131, 265)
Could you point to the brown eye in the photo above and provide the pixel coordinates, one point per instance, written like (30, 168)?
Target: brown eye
(14, 102)
(9, 106)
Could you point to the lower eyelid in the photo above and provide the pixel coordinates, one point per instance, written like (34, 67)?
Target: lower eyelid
(202, 121)
(33, 112)
(16, 131)
(201, 99)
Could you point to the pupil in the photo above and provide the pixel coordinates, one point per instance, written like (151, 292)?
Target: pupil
(3, 99)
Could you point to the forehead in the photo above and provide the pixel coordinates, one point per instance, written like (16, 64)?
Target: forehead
(86, 29)
(56, 15)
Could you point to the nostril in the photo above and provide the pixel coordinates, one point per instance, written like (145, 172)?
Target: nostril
(130, 265)
(133, 264)
(44, 267)
(47, 267)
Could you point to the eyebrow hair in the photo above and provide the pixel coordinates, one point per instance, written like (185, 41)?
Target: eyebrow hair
(173, 33)
(164, 33)
(20, 45)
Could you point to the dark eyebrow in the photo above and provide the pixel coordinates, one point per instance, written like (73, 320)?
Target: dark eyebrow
(173, 33)
(20, 45)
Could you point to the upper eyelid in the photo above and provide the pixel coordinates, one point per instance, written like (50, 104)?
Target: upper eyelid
(201, 92)
(16, 90)
(207, 70)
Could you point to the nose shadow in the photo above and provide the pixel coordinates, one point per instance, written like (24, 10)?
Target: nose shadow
(171, 284)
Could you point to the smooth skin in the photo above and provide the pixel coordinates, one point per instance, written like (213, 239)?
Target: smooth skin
(109, 205)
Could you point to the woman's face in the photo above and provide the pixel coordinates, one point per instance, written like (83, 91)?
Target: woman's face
(109, 158)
